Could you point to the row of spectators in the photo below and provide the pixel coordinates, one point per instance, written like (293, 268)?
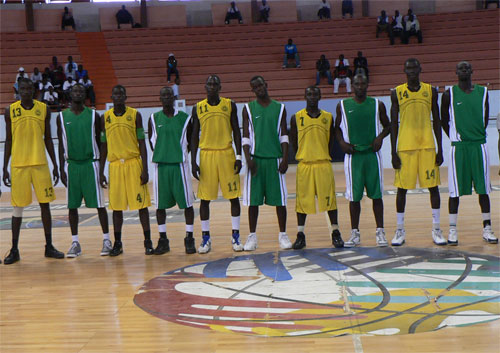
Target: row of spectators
(342, 73)
(399, 26)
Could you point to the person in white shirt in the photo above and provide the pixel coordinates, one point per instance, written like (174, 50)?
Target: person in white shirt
(324, 10)
(89, 87)
(73, 65)
(343, 60)
(175, 87)
(36, 76)
(412, 29)
(67, 88)
(397, 27)
(21, 73)
(51, 97)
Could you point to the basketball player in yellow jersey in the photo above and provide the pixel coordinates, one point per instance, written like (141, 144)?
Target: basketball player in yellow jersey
(27, 135)
(217, 119)
(123, 145)
(413, 147)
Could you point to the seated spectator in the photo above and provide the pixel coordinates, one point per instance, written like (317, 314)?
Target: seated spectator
(67, 19)
(291, 53)
(347, 8)
(67, 88)
(81, 72)
(43, 86)
(36, 76)
(324, 10)
(16, 88)
(70, 63)
(172, 67)
(397, 26)
(89, 88)
(50, 97)
(124, 17)
(383, 24)
(175, 87)
(47, 73)
(323, 69)
(71, 73)
(342, 60)
(409, 13)
(341, 77)
(21, 73)
(59, 78)
(233, 14)
(412, 29)
(487, 2)
(360, 63)
(264, 10)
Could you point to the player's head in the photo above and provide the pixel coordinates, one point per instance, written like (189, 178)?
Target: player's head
(464, 70)
(259, 86)
(412, 68)
(167, 97)
(213, 86)
(78, 93)
(360, 84)
(119, 95)
(25, 89)
(312, 95)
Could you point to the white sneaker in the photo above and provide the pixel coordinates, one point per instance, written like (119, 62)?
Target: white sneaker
(453, 237)
(206, 245)
(251, 243)
(285, 242)
(354, 240)
(380, 236)
(489, 236)
(74, 250)
(235, 241)
(437, 237)
(399, 237)
(106, 247)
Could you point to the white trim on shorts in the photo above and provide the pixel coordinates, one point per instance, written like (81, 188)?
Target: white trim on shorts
(283, 189)
(99, 191)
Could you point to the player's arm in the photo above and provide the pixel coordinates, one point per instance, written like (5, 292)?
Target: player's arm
(195, 141)
(436, 123)
(294, 134)
(346, 147)
(49, 145)
(103, 154)
(486, 111)
(284, 144)
(150, 129)
(445, 112)
(252, 167)
(142, 148)
(62, 161)
(396, 162)
(384, 120)
(8, 147)
(331, 139)
(236, 137)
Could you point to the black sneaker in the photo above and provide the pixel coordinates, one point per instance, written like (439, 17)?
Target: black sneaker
(117, 249)
(337, 239)
(300, 242)
(189, 244)
(12, 257)
(148, 246)
(52, 252)
(163, 246)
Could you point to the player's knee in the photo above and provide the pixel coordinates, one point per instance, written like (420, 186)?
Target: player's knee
(18, 212)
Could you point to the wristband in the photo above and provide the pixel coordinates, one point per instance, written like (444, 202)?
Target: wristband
(245, 141)
(284, 139)
(238, 157)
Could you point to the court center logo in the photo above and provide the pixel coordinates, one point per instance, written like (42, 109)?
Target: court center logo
(329, 292)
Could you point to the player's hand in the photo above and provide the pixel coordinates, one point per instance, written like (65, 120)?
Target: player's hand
(103, 181)
(439, 158)
(347, 147)
(195, 170)
(64, 178)
(377, 143)
(252, 166)
(144, 177)
(237, 167)
(396, 161)
(55, 174)
(283, 166)
(6, 178)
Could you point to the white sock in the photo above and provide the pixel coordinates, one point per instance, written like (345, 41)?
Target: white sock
(282, 233)
(335, 226)
(486, 216)
(235, 222)
(400, 216)
(162, 228)
(254, 234)
(74, 237)
(205, 226)
(105, 236)
(189, 228)
(436, 212)
(453, 220)
(301, 229)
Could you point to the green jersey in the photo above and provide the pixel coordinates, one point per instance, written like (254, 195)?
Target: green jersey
(169, 137)
(467, 114)
(265, 129)
(360, 123)
(78, 133)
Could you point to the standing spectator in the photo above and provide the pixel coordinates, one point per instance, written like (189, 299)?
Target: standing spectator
(70, 63)
(412, 29)
(347, 8)
(323, 69)
(233, 13)
(383, 24)
(175, 87)
(172, 67)
(51, 97)
(70, 72)
(324, 10)
(360, 63)
(124, 17)
(36, 77)
(89, 88)
(67, 19)
(55, 64)
(341, 77)
(342, 60)
(291, 53)
(397, 26)
(21, 73)
(81, 72)
(67, 88)
(264, 10)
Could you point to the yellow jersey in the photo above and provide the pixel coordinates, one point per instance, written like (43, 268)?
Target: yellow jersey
(121, 135)
(415, 126)
(28, 132)
(313, 136)
(215, 124)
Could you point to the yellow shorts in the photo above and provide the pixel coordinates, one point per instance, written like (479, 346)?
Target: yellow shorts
(23, 177)
(315, 180)
(217, 167)
(417, 162)
(125, 189)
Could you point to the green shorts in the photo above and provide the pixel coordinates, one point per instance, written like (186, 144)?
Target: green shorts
(172, 185)
(267, 186)
(83, 183)
(363, 170)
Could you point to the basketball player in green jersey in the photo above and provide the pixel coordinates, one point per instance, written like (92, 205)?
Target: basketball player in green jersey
(464, 116)
(79, 133)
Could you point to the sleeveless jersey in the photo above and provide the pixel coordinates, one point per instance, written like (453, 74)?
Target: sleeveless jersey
(360, 122)
(169, 137)
(215, 124)
(28, 132)
(121, 135)
(415, 126)
(78, 132)
(467, 114)
(265, 128)
(313, 136)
